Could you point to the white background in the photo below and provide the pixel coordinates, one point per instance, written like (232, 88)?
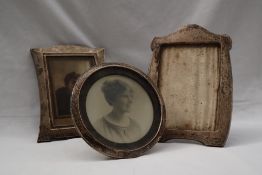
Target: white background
(125, 29)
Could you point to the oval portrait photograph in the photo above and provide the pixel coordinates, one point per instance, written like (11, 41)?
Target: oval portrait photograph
(126, 111)
(117, 110)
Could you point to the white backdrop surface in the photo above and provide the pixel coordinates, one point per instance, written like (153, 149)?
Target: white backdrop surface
(125, 29)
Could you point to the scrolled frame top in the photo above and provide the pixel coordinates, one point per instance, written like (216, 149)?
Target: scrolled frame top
(192, 34)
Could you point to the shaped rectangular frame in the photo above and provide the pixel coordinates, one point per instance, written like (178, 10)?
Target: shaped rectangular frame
(194, 35)
(47, 130)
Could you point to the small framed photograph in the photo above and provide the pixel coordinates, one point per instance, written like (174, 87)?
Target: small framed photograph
(118, 110)
(57, 70)
(192, 70)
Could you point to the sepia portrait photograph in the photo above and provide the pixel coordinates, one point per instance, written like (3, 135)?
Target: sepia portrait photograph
(125, 111)
(63, 73)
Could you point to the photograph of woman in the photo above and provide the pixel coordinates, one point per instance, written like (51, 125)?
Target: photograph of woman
(63, 94)
(118, 125)
(117, 110)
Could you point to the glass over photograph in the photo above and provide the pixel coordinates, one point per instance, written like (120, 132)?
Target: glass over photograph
(63, 72)
(119, 109)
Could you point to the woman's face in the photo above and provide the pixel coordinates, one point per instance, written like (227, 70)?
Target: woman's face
(123, 101)
(71, 84)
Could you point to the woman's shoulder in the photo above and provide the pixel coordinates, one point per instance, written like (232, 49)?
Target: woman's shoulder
(99, 122)
(99, 125)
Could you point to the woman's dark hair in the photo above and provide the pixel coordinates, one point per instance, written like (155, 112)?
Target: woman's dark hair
(113, 88)
(70, 76)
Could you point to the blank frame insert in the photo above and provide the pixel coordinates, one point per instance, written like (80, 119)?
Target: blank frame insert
(191, 80)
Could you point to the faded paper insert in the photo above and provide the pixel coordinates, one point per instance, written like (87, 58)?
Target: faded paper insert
(189, 83)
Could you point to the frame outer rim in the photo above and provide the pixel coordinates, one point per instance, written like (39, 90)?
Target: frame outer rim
(100, 147)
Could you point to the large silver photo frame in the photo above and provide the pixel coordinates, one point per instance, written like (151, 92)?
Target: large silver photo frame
(192, 70)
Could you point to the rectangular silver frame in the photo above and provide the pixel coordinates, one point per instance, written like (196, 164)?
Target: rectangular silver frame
(194, 39)
(51, 127)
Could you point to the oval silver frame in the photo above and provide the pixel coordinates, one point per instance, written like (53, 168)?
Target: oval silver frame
(85, 129)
